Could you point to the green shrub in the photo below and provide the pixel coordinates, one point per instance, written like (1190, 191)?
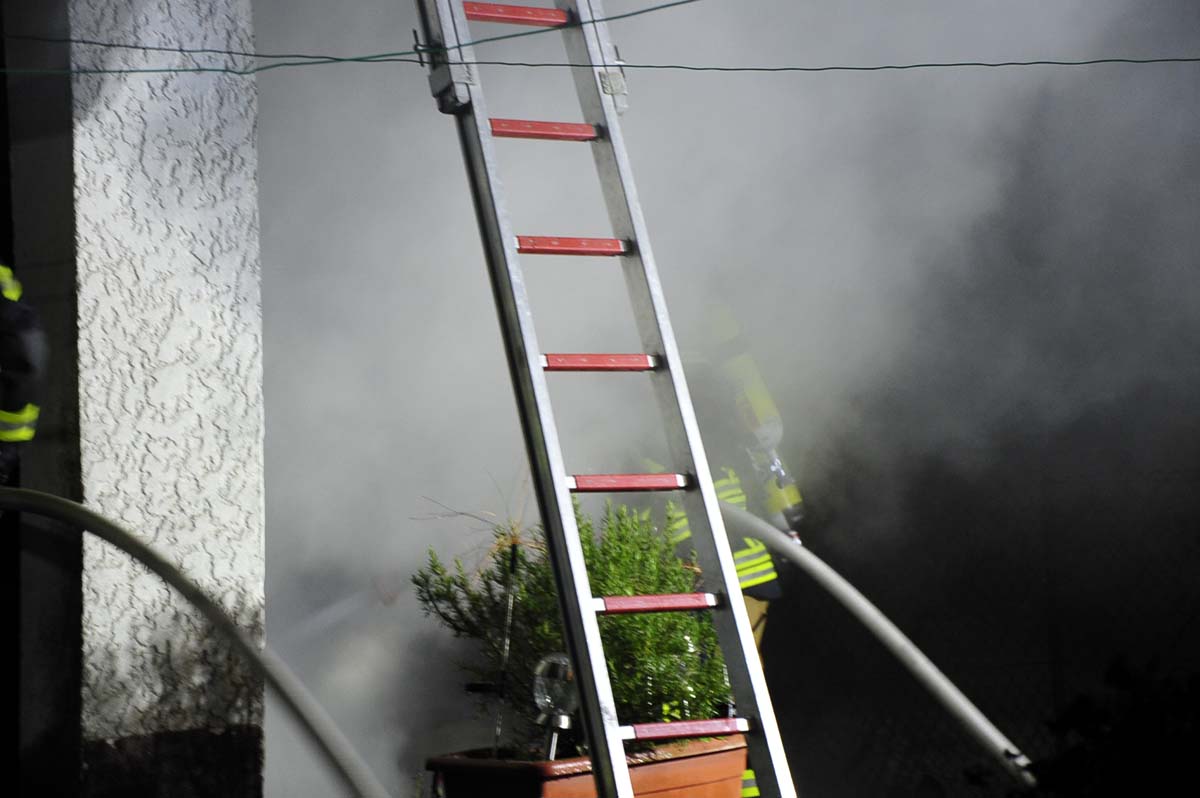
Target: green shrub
(663, 666)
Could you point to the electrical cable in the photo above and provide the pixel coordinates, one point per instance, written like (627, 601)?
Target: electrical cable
(157, 48)
(379, 59)
(741, 522)
(340, 756)
(850, 68)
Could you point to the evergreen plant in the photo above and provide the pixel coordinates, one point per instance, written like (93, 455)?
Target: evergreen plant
(663, 666)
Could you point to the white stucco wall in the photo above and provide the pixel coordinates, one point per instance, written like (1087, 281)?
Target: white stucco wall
(170, 361)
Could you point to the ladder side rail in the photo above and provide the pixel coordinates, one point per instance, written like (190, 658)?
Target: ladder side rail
(589, 43)
(446, 26)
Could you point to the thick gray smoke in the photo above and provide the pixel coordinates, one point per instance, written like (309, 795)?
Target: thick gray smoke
(1072, 283)
(932, 252)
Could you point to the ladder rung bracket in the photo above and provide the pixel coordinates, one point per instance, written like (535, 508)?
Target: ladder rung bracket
(625, 483)
(678, 729)
(555, 245)
(515, 15)
(597, 362)
(665, 602)
(551, 131)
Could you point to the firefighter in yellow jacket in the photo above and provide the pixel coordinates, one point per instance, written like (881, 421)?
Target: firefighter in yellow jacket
(22, 361)
(738, 415)
(740, 422)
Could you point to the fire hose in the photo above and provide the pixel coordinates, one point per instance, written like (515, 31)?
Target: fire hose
(929, 675)
(304, 708)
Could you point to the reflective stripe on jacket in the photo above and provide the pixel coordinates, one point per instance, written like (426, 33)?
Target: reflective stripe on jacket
(19, 426)
(753, 562)
(749, 785)
(10, 286)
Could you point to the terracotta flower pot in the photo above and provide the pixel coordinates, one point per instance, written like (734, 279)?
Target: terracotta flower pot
(689, 769)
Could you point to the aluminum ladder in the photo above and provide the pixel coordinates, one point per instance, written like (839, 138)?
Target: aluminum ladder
(454, 80)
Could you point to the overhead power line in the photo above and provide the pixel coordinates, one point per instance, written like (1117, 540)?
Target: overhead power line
(858, 68)
(380, 59)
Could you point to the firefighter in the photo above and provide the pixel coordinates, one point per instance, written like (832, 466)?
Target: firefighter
(22, 363)
(739, 419)
(741, 425)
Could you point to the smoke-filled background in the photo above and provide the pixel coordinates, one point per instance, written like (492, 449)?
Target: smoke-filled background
(975, 294)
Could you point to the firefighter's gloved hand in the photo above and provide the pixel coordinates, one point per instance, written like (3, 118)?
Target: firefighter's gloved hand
(9, 458)
(795, 519)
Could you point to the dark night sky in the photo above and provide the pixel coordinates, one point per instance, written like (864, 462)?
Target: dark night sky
(975, 293)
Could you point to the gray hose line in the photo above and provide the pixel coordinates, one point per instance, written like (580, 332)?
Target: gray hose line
(339, 754)
(985, 733)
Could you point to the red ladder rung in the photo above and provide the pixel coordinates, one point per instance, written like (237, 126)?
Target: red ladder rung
(624, 483)
(666, 602)
(557, 245)
(515, 15)
(553, 131)
(677, 729)
(598, 362)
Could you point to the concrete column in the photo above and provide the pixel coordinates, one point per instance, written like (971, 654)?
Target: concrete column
(170, 394)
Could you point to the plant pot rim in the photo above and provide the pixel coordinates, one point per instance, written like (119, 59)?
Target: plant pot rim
(481, 759)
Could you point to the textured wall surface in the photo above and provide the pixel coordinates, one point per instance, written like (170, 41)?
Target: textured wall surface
(170, 364)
